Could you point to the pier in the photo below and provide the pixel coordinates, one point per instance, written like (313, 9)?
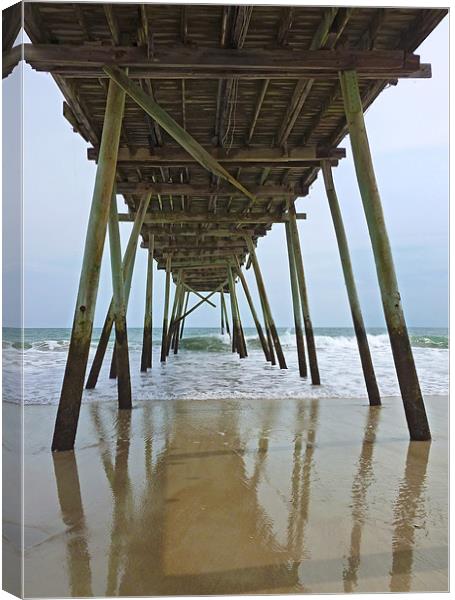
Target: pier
(212, 121)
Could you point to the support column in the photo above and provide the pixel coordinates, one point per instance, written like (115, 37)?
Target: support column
(399, 339)
(356, 311)
(81, 335)
(174, 316)
(118, 288)
(128, 268)
(265, 303)
(179, 322)
(311, 346)
(221, 313)
(146, 357)
(296, 306)
(166, 310)
(184, 311)
(223, 308)
(261, 335)
(237, 332)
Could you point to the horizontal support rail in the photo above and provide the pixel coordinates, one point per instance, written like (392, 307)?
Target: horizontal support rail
(250, 155)
(187, 217)
(198, 63)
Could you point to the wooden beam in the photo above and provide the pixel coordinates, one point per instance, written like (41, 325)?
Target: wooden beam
(10, 59)
(213, 63)
(247, 155)
(206, 233)
(11, 25)
(193, 308)
(190, 289)
(257, 110)
(189, 217)
(187, 189)
(112, 23)
(173, 128)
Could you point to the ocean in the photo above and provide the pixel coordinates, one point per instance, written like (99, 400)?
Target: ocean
(205, 367)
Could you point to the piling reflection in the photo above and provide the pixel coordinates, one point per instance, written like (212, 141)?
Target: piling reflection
(70, 501)
(363, 479)
(408, 505)
(191, 509)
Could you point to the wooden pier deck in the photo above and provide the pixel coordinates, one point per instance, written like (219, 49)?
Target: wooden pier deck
(212, 121)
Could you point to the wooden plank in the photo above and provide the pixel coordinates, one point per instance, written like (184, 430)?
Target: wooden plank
(213, 63)
(189, 217)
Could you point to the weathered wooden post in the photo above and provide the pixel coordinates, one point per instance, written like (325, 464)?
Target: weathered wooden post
(223, 307)
(81, 335)
(399, 339)
(311, 346)
(118, 288)
(265, 303)
(257, 323)
(166, 309)
(236, 327)
(128, 268)
(356, 312)
(179, 322)
(174, 314)
(146, 356)
(171, 321)
(184, 311)
(221, 313)
(296, 306)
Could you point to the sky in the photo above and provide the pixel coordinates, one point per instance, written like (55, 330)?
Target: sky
(409, 137)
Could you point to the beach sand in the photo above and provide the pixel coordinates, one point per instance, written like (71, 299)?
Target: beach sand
(236, 496)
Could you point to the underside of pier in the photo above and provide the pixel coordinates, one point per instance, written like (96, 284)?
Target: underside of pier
(211, 121)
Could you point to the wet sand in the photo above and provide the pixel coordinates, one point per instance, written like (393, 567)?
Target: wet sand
(219, 497)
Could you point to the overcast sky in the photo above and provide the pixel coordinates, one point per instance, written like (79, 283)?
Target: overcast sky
(408, 131)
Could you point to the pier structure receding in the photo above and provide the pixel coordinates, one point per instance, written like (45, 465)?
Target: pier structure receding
(211, 121)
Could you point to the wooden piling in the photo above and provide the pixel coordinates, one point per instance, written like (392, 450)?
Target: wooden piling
(81, 335)
(223, 308)
(236, 327)
(222, 313)
(296, 306)
(179, 322)
(311, 346)
(128, 268)
(185, 308)
(257, 323)
(146, 356)
(399, 339)
(118, 287)
(174, 315)
(166, 309)
(356, 311)
(266, 305)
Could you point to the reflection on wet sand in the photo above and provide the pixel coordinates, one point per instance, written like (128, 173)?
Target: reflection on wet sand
(362, 481)
(206, 499)
(70, 500)
(408, 505)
